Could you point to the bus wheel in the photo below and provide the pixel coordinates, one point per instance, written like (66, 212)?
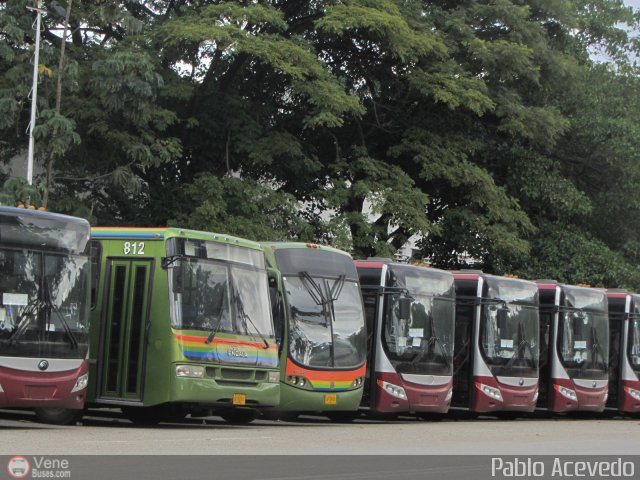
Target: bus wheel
(280, 415)
(342, 417)
(58, 416)
(239, 417)
(146, 415)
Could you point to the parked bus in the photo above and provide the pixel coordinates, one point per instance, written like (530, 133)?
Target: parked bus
(574, 336)
(410, 313)
(496, 343)
(320, 327)
(624, 351)
(181, 323)
(44, 313)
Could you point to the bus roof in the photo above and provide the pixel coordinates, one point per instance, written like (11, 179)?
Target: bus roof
(42, 229)
(283, 245)
(169, 232)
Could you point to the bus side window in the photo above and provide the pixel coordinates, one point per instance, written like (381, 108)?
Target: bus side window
(95, 257)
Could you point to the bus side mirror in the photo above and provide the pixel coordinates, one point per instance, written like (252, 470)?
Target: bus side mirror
(404, 308)
(502, 316)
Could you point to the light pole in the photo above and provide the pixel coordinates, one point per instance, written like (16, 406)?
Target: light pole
(34, 89)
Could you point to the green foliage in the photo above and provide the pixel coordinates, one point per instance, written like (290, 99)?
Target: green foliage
(482, 130)
(240, 207)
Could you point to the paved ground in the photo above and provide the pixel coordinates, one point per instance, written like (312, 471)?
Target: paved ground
(106, 432)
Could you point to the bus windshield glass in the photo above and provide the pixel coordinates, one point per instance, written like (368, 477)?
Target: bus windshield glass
(217, 296)
(583, 333)
(634, 334)
(509, 330)
(325, 331)
(44, 304)
(423, 343)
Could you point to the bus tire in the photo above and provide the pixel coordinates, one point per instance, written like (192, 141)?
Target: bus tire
(342, 417)
(146, 415)
(58, 416)
(239, 417)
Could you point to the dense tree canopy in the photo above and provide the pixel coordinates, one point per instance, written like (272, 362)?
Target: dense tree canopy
(498, 133)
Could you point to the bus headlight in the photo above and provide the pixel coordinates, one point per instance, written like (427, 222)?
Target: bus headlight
(1, 389)
(449, 395)
(567, 392)
(81, 383)
(274, 377)
(635, 394)
(357, 382)
(395, 390)
(192, 371)
(490, 391)
(297, 381)
(535, 396)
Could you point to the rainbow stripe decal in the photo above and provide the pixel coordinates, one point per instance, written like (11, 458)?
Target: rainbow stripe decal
(327, 380)
(226, 349)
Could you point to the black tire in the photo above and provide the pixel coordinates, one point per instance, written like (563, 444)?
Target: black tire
(239, 417)
(58, 416)
(147, 415)
(431, 416)
(342, 417)
(280, 415)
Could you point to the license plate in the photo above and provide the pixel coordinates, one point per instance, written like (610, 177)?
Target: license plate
(330, 399)
(239, 399)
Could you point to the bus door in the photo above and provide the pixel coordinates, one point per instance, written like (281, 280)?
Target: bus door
(546, 354)
(124, 329)
(463, 354)
(373, 302)
(616, 332)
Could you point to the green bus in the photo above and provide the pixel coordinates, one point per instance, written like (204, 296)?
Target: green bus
(320, 326)
(181, 323)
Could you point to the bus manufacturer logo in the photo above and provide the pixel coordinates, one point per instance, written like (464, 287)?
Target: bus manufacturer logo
(43, 365)
(595, 384)
(521, 382)
(236, 352)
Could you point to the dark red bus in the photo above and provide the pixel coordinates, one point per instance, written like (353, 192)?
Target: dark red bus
(574, 350)
(496, 343)
(624, 351)
(44, 306)
(410, 324)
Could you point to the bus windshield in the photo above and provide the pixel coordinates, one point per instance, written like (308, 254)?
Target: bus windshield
(43, 304)
(423, 343)
(583, 334)
(326, 321)
(218, 296)
(509, 330)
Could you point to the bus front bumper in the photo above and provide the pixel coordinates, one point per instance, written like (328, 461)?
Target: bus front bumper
(293, 399)
(209, 392)
(30, 389)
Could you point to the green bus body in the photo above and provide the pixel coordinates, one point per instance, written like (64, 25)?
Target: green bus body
(334, 381)
(141, 355)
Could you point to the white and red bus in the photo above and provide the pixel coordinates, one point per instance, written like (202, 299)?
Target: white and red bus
(410, 312)
(574, 353)
(44, 306)
(496, 343)
(624, 351)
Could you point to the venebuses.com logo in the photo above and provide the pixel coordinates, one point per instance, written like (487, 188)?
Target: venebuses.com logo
(38, 467)
(18, 467)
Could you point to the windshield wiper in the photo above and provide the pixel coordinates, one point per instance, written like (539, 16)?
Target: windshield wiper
(24, 319)
(435, 339)
(245, 316)
(214, 330)
(48, 302)
(595, 351)
(522, 345)
(316, 293)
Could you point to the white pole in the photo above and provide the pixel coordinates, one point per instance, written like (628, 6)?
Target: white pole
(34, 92)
